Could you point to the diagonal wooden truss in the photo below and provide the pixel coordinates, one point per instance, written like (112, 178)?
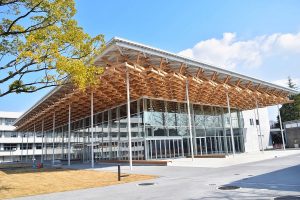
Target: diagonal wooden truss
(161, 80)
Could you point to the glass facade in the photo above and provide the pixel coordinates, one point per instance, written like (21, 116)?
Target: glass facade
(159, 129)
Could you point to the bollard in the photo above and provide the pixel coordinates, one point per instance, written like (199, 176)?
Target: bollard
(119, 173)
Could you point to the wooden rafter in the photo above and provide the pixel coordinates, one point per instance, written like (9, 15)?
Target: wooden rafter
(152, 81)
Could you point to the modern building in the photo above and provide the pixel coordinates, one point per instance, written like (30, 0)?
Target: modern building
(10, 141)
(18, 146)
(152, 104)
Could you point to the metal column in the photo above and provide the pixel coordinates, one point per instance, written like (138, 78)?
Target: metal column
(146, 152)
(53, 133)
(189, 118)
(261, 141)
(69, 136)
(281, 130)
(92, 129)
(230, 121)
(128, 118)
(33, 146)
(27, 147)
(84, 137)
(42, 156)
(22, 135)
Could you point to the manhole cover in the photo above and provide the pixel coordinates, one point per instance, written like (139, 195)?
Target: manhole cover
(145, 184)
(287, 198)
(228, 187)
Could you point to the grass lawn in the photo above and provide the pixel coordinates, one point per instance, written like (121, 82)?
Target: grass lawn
(25, 182)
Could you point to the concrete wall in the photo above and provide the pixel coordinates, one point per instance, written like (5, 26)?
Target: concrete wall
(252, 133)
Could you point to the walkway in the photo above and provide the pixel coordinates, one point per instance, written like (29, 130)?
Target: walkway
(258, 180)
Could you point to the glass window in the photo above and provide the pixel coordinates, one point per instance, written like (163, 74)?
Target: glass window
(10, 147)
(9, 121)
(251, 122)
(159, 132)
(182, 131)
(200, 132)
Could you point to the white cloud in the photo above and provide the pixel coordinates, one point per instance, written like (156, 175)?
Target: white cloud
(229, 52)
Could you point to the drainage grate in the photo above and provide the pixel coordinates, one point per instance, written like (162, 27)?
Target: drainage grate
(146, 184)
(287, 198)
(228, 187)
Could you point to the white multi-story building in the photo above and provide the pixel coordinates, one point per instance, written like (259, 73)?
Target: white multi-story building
(10, 141)
(20, 146)
(27, 146)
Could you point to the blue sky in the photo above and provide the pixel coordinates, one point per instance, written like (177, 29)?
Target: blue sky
(258, 38)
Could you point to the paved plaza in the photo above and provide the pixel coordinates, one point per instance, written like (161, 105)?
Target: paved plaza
(278, 175)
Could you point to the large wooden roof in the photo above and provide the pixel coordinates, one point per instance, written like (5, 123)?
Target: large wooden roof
(156, 74)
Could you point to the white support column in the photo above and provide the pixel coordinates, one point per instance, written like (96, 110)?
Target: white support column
(128, 118)
(84, 137)
(33, 146)
(42, 156)
(281, 130)
(92, 129)
(22, 135)
(46, 145)
(230, 121)
(27, 147)
(257, 131)
(224, 133)
(53, 134)
(144, 129)
(261, 141)
(102, 141)
(69, 136)
(189, 118)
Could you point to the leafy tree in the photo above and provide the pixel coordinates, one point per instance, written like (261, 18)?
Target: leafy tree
(41, 45)
(291, 111)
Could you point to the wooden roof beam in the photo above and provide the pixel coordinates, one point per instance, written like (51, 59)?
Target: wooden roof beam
(238, 82)
(200, 72)
(182, 68)
(227, 79)
(213, 77)
(248, 85)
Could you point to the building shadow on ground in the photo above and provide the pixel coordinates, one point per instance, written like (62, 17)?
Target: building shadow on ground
(287, 179)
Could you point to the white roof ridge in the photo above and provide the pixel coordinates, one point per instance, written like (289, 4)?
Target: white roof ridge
(196, 62)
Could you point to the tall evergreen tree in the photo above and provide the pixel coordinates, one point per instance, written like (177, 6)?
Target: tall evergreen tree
(291, 111)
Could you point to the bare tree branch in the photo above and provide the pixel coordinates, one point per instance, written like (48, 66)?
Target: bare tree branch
(21, 17)
(8, 65)
(11, 75)
(2, 3)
